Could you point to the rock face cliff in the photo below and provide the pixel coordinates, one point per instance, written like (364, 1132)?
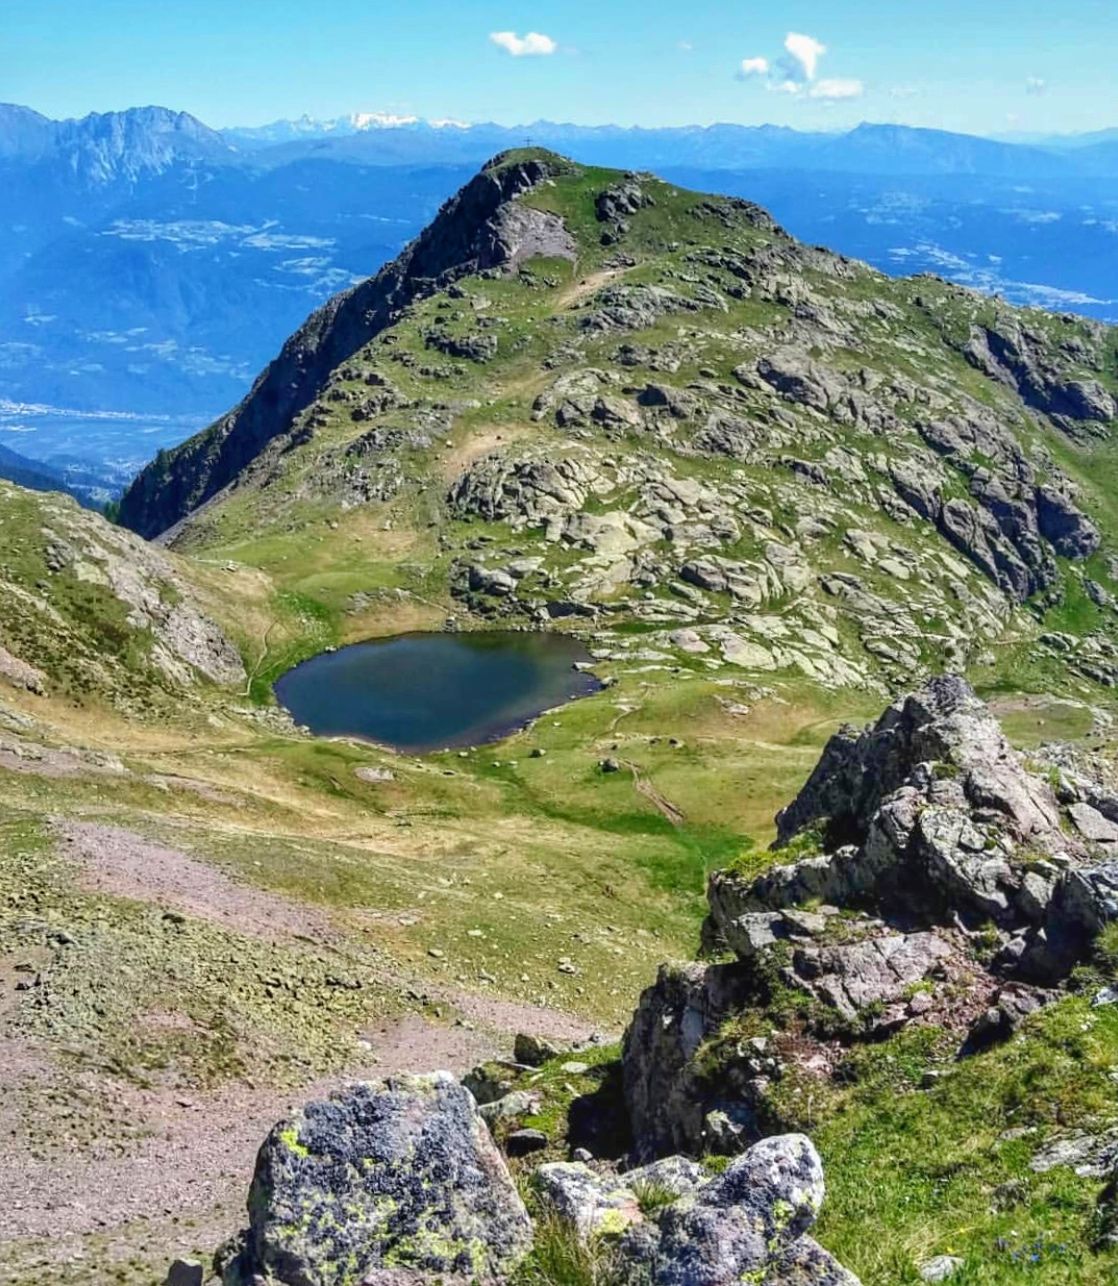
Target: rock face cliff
(480, 229)
(933, 880)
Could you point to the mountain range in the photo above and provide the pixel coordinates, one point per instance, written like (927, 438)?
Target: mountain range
(138, 242)
(867, 149)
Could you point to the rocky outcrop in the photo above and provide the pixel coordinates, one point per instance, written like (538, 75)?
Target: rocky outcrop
(621, 308)
(749, 1224)
(664, 1085)
(936, 880)
(399, 1182)
(616, 205)
(479, 229)
(1023, 358)
(384, 1183)
(1011, 524)
(800, 379)
(943, 723)
(524, 491)
(92, 606)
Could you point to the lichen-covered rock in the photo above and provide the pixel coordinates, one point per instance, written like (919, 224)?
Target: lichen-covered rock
(399, 1177)
(597, 1202)
(806, 1263)
(745, 1226)
(677, 1225)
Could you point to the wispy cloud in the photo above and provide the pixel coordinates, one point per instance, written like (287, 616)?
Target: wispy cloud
(1035, 85)
(753, 67)
(837, 88)
(795, 72)
(531, 44)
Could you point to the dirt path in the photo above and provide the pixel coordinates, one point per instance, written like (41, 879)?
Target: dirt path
(120, 862)
(175, 1161)
(575, 294)
(644, 786)
(476, 445)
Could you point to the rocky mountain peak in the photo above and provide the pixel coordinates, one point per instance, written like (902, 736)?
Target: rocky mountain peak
(481, 229)
(616, 400)
(108, 147)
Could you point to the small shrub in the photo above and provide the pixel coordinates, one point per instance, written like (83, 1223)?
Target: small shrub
(561, 1258)
(652, 1196)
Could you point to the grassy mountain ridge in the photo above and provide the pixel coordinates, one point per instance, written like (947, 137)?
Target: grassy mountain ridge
(750, 433)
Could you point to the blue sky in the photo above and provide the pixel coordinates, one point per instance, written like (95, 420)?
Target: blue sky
(993, 67)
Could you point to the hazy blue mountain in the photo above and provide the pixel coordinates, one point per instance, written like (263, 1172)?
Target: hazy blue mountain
(1052, 244)
(81, 482)
(150, 265)
(867, 149)
(109, 147)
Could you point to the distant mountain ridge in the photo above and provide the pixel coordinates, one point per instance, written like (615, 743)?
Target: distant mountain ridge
(381, 138)
(103, 147)
(107, 147)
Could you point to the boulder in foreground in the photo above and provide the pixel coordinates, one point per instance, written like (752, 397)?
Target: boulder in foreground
(682, 1227)
(389, 1182)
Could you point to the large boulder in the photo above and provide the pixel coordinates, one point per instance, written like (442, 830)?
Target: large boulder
(750, 1224)
(384, 1182)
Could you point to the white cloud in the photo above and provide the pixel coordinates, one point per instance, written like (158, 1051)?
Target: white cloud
(1035, 85)
(805, 51)
(753, 67)
(684, 46)
(836, 88)
(532, 43)
(795, 72)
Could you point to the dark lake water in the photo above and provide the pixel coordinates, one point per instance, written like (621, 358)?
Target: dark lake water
(420, 692)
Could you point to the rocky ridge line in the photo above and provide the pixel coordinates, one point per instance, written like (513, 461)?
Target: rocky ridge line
(480, 229)
(944, 884)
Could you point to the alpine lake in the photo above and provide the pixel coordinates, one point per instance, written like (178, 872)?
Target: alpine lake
(432, 691)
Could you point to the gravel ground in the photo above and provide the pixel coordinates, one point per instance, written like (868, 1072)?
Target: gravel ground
(106, 1181)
